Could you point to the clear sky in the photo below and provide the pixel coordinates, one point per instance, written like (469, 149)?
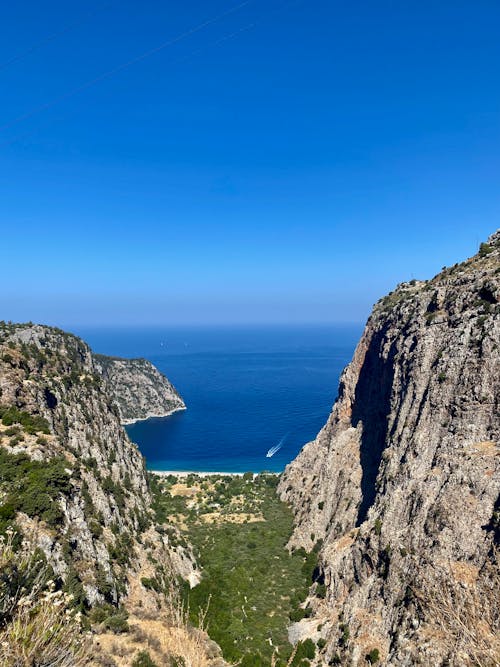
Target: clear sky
(286, 162)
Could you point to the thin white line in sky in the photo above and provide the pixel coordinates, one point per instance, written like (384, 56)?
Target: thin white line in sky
(144, 55)
(119, 68)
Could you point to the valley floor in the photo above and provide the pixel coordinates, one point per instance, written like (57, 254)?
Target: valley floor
(251, 585)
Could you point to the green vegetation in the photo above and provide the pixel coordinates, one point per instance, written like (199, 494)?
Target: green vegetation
(373, 656)
(32, 487)
(110, 618)
(251, 586)
(143, 659)
(485, 249)
(31, 424)
(344, 638)
(321, 591)
(391, 300)
(305, 651)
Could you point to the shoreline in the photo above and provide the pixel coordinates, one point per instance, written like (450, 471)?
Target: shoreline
(204, 473)
(129, 422)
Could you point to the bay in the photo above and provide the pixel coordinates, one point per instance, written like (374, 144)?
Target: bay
(247, 390)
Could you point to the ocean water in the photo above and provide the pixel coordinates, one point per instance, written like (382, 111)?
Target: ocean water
(247, 390)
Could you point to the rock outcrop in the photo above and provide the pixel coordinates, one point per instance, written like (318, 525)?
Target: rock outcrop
(100, 504)
(138, 388)
(402, 483)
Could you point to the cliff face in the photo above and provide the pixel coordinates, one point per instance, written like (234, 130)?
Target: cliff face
(73, 486)
(402, 482)
(138, 388)
(88, 505)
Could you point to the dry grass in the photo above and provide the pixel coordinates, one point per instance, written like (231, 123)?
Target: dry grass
(41, 627)
(462, 612)
(484, 448)
(184, 491)
(159, 624)
(166, 635)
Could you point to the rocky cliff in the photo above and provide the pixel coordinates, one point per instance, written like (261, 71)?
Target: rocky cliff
(138, 388)
(401, 485)
(57, 410)
(75, 489)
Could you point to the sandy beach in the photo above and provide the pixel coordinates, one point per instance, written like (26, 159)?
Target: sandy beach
(129, 422)
(186, 473)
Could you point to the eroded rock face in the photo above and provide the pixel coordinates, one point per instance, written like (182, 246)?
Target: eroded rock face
(52, 374)
(402, 482)
(138, 388)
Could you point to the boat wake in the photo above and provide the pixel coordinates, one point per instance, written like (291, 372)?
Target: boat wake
(276, 448)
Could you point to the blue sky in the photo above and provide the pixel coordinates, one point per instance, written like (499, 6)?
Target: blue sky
(288, 162)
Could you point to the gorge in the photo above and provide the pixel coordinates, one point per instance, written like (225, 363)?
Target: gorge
(395, 503)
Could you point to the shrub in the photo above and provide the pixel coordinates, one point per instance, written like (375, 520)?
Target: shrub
(121, 551)
(104, 585)
(143, 659)
(73, 586)
(31, 424)
(114, 489)
(321, 591)
(117, 623)
(305, 650)
(297, 615)
(310, 564)
(344, 639)
(485, 249)
(101, 611)
(35, 486)
(151, 584)
(95, 528)
(373, 656)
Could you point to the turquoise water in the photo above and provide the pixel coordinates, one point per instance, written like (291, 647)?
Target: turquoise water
(246, 390)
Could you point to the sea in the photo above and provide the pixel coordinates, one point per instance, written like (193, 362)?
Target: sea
(249, 391)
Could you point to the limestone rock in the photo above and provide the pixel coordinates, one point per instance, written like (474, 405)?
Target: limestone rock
(138, 388)
(54, 375)
(402, 482)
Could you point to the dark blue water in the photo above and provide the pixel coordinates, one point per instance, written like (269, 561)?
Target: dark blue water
(246, 389)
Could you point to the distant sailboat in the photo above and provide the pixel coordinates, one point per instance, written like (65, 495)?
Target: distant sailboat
(277, 447)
